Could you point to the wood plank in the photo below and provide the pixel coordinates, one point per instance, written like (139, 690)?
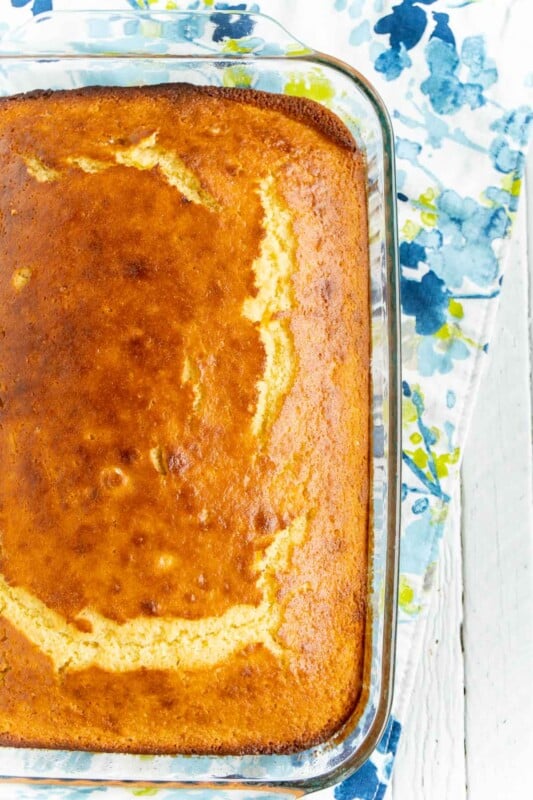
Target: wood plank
(431, 760)
(498, 555)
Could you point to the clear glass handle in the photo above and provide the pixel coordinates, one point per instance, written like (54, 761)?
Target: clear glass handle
(229, 34)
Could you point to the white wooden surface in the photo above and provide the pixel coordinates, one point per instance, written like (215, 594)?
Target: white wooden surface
(469, 735)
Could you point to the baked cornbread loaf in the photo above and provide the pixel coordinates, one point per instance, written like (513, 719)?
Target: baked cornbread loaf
(184, 391)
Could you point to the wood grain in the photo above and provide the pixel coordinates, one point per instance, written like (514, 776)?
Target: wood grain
(431, 758)
(498, 555)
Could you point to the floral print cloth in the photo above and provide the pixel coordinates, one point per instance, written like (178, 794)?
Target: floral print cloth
(454, 75)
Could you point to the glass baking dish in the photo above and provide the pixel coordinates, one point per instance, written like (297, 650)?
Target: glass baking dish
(63, 50)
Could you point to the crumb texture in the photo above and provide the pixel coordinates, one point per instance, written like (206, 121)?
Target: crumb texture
(184, 421)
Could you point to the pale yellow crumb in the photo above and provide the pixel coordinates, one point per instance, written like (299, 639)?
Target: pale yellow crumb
(40, 171)
(21, 278)
(273, 270)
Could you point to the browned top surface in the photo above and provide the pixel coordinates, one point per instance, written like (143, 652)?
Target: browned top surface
(127, 279)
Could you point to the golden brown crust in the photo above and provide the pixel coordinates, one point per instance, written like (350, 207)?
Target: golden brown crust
(184, 379)
(299, 108)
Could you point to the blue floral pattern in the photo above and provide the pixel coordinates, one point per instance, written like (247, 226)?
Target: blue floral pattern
(229, 26)
(37, 6)
(460, 158)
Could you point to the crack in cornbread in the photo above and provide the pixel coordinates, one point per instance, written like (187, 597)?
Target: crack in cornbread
(155, 642)
(184, 404)
(40, 171)
(190, 374)
(273, 270)
(144, 155)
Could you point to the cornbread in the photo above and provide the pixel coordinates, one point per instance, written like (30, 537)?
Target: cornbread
(184, 404)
